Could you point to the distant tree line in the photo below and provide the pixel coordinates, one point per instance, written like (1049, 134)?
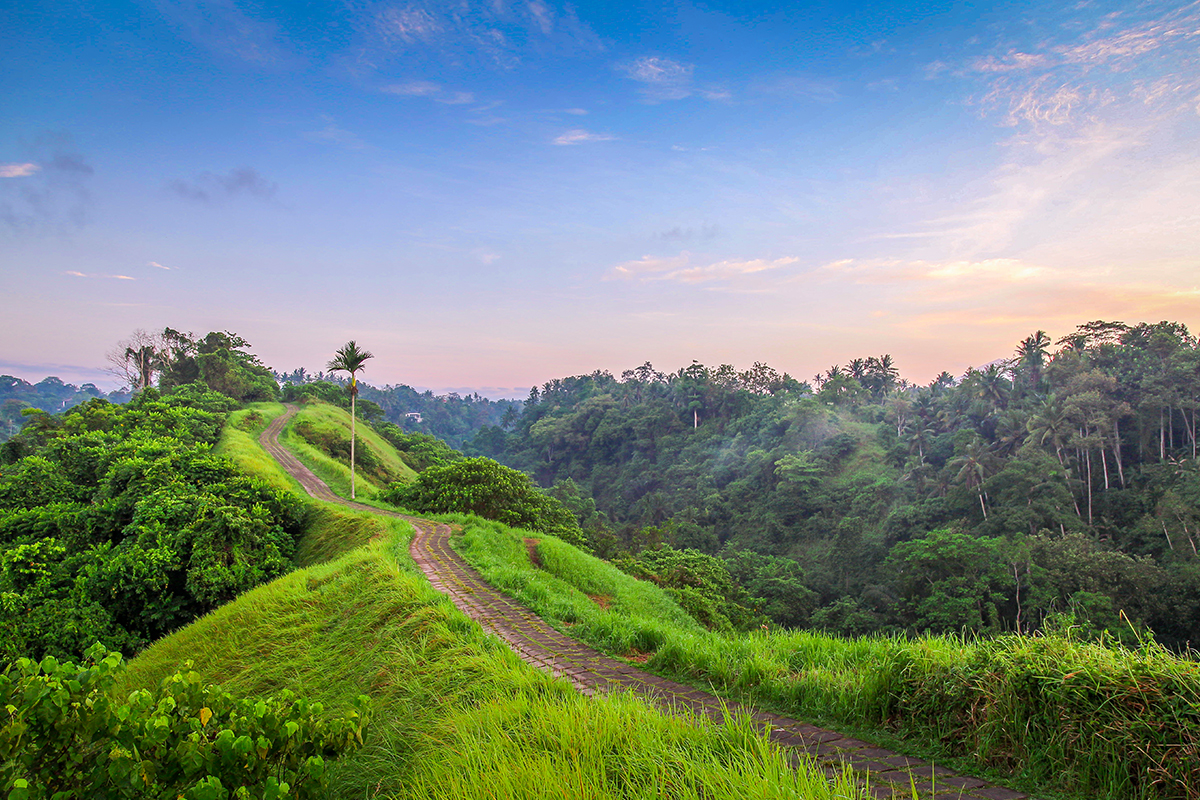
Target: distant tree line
(50, 394)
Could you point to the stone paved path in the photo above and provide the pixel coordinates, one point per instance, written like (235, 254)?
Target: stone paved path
(885, 774)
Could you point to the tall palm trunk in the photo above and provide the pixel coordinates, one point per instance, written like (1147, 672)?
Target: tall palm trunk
(352, 437)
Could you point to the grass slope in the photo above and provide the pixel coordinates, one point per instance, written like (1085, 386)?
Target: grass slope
(239, 442)
(455, 713)
(1051, 714)
(325, 418)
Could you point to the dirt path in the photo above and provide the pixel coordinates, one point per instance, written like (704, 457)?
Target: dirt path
(888, 774)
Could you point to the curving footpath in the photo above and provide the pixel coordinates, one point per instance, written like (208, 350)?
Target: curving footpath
(885, 774)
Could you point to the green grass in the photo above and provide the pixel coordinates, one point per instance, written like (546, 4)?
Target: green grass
(329, 530)
(328, 418)
(455, 714)
(239, 442)
(573, 588)
(1050, 714)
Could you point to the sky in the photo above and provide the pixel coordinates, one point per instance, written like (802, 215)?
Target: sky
(489, 194)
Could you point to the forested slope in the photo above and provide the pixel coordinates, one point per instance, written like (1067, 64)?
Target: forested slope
(1064, 480)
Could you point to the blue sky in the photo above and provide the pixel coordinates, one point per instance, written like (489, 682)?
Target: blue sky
(489, 194)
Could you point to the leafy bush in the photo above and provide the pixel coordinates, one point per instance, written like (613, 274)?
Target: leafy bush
(420, 450)
(123, 526)
(63, 736)
(700, 583)
(491, 490)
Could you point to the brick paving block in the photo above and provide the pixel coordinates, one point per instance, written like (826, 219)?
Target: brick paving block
(880, 753)
(929, 770)
(962, 781)
(816, 736)
(997, 793)
(866, 765)
(846, 743)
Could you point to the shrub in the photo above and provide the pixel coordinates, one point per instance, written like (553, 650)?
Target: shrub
(63, 736)
(491, 490)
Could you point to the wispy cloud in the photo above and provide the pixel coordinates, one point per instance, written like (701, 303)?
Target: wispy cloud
(1109, 64)
(76, 274)
(412, 89)
(18, 170)
(210, 187)
(680, 233)
(496, 31)
(581, 136)
(665, 79)
(681, 269)
(797, 87)
(223, 28)
(332, 133)
(1100, 163)
(408, 25)
(156, 265)
(53, 186)
(456, 98)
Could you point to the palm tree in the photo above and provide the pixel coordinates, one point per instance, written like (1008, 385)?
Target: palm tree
(1031, 357)
(350, 359)
(972, 470)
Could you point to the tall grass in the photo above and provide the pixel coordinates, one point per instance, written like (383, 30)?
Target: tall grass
(1057, 713)
(455, 713)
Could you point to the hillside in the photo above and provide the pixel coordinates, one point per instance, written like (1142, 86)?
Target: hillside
(1063, 481)
(320, 435)
(455, 713)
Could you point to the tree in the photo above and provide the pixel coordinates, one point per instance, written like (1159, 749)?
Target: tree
(138, 359)
(350, 359)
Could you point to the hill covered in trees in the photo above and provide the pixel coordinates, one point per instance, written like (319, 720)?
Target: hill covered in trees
(1063, 481)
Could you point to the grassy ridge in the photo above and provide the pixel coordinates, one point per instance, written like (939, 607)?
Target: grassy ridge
(1059, 714)
(456, 714)
(329, 530)
(239, 442)
(327, 418)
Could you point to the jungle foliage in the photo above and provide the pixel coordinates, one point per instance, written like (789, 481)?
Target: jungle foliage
(67, 736)
(118, 524)
(491, 490)
(1064, 480)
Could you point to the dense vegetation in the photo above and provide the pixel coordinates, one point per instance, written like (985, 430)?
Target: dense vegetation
(489, 489)
(118, 524)
(1064, 480)
(67, 736)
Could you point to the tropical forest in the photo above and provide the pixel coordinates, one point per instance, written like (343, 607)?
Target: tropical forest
(227, 581)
